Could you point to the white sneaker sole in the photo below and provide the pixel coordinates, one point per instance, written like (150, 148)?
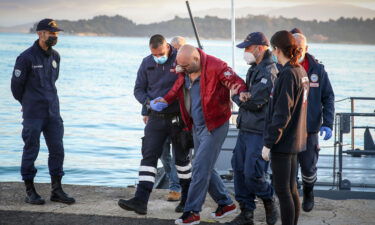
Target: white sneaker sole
(179, 221)
(213, 215)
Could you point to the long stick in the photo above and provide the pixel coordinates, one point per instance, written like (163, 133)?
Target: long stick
(194, 27)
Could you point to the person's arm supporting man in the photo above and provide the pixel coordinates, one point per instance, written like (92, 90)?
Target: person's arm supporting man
(260, 93)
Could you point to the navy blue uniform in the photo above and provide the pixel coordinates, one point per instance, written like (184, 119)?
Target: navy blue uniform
(247, 163)
(33, 85)
(320, 112)
(154, 80)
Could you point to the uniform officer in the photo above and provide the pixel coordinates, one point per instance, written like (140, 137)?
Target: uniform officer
(320, 116)
(156, 75)
(33, 85)
(248, 165)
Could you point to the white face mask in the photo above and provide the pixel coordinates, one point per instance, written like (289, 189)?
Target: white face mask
(249, 57)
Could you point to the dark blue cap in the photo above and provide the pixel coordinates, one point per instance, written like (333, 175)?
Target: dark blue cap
(296, 30)
(255, 38)
(48, 24)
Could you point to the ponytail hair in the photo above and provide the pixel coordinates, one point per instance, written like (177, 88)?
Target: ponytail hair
(285, 41)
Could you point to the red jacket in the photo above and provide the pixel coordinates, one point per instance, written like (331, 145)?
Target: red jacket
(215, 96)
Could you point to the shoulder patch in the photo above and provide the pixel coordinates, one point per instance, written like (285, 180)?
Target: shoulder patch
(17, 73)
(54, 64)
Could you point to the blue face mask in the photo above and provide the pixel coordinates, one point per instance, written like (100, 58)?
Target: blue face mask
(161, 59)
(274, 59)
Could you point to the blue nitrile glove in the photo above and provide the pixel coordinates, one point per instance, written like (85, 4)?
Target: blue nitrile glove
(158, 106)
(328, 132)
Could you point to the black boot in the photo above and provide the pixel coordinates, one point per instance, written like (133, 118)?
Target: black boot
(246, 217)
(57, 193)
(271, 211)
(32, 197)
(308, 198)
(134, 204)
(180, 207)
(185, 184)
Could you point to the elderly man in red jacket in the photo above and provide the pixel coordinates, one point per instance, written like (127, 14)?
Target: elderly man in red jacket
(202, 88)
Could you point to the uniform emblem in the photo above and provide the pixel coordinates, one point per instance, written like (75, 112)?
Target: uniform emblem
(263, 81)
(53, 24)
(54, 64)
(227, 73)
(314, 78)
(17, 73)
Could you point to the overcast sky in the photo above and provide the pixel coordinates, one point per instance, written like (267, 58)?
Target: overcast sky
(15, 12)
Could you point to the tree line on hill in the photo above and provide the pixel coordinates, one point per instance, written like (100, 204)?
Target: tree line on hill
(342, 30)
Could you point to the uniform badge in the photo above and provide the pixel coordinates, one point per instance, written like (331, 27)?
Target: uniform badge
(54, 64)
(263, 81)
(17, 73)
(314, 78)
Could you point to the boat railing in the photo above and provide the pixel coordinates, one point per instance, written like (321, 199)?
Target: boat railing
(345, 124)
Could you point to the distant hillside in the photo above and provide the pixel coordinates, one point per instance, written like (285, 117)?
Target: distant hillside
(343, 30)
(320, 12)
(24, 28)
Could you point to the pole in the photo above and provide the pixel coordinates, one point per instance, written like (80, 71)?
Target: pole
(194, 27)
(233, 31)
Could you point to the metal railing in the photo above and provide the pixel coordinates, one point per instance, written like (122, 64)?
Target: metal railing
(344, 123)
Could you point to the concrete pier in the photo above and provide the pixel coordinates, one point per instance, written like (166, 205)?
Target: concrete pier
(98, 205)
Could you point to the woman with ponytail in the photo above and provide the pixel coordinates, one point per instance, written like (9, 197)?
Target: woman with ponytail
(286, 132)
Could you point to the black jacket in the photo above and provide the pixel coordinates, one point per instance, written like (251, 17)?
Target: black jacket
(259, 80)
(33, 82)
(321, 97)
(155, 80)
(286, 130)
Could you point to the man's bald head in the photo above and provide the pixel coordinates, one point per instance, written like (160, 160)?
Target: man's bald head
(188, 58)
(301, 43)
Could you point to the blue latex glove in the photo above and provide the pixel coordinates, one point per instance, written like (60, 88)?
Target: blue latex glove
(328, 132)
(158, 106)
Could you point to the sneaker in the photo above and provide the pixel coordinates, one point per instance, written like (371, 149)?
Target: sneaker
(223, 210)
(188, 218)
(174, 196)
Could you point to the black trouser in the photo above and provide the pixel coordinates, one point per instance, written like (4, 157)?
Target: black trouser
(157, 130)
(284, 180)
(53, 131)
(308, 160)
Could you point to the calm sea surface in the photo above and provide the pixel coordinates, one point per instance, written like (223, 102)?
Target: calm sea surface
(102, 119)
